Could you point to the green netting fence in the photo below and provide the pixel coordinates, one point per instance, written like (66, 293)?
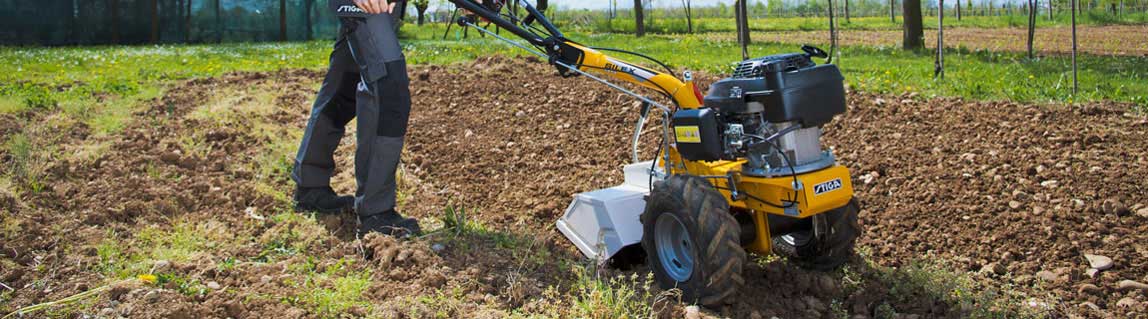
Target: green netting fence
(70, 22)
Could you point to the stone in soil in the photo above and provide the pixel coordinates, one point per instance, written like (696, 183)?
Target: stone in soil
(1130, 285)
(1098, 262)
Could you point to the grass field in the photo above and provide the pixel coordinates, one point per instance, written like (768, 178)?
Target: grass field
(48, 77)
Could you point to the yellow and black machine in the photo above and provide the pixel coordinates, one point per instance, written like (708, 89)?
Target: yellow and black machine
(739, 169)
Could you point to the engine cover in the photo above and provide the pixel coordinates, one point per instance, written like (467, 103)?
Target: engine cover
(790, 86)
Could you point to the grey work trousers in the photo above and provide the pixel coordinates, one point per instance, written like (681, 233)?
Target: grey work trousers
(382, 106)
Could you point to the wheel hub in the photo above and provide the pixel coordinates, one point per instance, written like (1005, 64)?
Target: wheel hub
(675, 250)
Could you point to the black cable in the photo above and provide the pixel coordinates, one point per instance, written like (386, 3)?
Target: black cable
(787, 206)
(662, 89)
(668, 69)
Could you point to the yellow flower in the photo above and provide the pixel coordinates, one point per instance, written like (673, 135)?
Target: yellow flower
(148, 278)
(1030, 77)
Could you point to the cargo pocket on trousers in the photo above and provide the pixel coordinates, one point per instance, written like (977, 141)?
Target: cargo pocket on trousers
(394, 98)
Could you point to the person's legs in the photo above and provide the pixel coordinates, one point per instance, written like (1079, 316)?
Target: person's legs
(334, 107)
(383, 109)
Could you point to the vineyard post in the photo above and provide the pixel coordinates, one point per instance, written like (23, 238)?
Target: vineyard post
(939, 72)
(833, 31)
(1075, 83)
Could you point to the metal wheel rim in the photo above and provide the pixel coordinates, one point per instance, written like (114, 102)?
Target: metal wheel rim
(675, 250)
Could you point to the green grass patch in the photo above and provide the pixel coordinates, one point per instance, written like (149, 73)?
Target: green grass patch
(182, 242)
(332, 292)
(925, 280)
(29, 160)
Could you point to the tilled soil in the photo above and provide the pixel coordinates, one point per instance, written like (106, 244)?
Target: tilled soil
(1098, 40)
(1001, 191)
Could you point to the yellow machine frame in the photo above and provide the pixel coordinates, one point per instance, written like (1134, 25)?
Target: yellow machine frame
(763, 195)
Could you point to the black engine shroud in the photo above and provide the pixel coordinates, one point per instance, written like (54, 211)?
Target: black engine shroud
(776, 89)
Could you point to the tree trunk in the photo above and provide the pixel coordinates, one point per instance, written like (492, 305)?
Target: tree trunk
(914, 33)
(154, 21)
(833, 28)
(115, 20)
(282, 20)
(741, 12)
(187, 23)
(1031, 26)
(892, 11)
(218, 22)
(308, 7)
(958, 10)
(639, 19)
(421, 9)
(1050, 10)
(689, 17)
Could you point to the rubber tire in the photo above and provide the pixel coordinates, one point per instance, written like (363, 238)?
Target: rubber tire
(706, 216)
(831, 252)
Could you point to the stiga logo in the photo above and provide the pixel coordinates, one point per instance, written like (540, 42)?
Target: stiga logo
(827, 187)
(350, 9)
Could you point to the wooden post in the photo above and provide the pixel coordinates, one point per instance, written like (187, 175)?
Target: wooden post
(1075, 83)
(832, 29)
(940, 67)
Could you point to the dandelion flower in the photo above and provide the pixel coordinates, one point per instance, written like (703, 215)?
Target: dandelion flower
(148, 278)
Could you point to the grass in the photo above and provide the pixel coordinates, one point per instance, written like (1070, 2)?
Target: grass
(333, 291)
(926, 280)
(619, 297)
(30, 158)
(40, 76)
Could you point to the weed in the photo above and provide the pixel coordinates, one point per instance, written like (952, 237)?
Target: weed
(456, 222)
(618, 297)
(333, 291)
(195, 145)
(183, 284)
(29, 161)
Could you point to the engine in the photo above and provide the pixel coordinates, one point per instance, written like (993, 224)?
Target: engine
(770, 112)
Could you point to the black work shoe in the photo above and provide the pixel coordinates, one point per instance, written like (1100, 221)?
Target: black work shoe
(322, 200)
(389, 223)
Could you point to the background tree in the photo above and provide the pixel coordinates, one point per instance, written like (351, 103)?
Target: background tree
(914, 33)
(421, 9)
(689, 17)
(1032, 7)
(892, 11)
(846, 10)
(639, 19)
